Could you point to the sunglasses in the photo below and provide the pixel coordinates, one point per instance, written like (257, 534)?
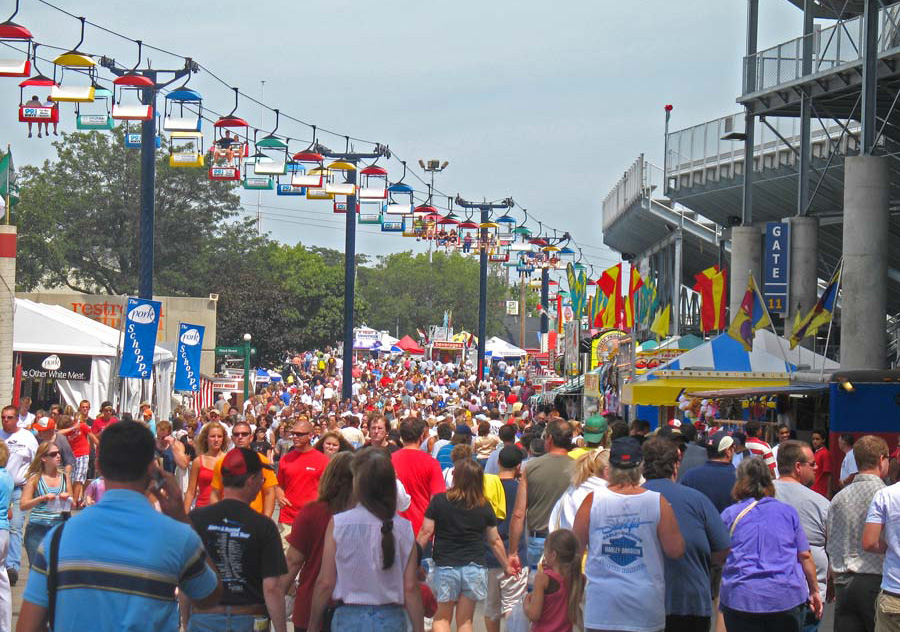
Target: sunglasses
(9, 416)
(240, 434)
(52, 454)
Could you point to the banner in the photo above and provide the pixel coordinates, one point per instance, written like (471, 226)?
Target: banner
(187, 367)
(56, 366)
(141, 324)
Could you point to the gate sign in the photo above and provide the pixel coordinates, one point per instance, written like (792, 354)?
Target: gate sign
(187, 366)
(141, 324)
(776, 267)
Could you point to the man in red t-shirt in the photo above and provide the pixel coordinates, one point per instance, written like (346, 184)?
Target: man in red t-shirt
(417, 470)
(80, 439)
(299, 472)
(105, 418)
(822, 482)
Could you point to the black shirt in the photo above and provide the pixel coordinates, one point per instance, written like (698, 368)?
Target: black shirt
(459, 532)
(245, 547)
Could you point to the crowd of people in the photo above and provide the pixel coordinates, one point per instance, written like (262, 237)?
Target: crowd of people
(428, 492)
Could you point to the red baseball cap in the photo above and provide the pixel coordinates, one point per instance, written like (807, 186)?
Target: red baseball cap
(240, 461)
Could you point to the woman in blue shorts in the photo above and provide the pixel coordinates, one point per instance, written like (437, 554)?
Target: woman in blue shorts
(460, 520)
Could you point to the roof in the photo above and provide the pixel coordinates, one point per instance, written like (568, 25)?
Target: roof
(792, 389)
(41, 328)
(725, 354)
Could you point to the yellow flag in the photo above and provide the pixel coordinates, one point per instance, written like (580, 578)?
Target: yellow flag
(660, 324)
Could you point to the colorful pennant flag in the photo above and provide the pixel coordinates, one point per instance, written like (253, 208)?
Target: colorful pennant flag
(820, 314)
(635, 282)
(577, 290)
(610, 285)
(751, 316)
(9, 189)
(647, 304)
(712, 284)
(660, 324)
(598, 304)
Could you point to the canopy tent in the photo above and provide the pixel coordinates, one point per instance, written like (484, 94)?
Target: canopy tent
(716, 364)
(410, 346)
(264, 376)
(686, 342)
(389, 344)
(499, 348)
(53, 329)
(802, 358)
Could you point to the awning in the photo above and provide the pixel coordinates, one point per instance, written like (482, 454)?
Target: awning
(793, 389)
(665, 391)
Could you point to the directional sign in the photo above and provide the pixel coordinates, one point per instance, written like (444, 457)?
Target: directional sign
(776, 267)
(233, 351)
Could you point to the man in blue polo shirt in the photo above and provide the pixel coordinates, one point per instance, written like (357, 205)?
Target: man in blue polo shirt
(706, 540)
(716, 477)
(120, 560)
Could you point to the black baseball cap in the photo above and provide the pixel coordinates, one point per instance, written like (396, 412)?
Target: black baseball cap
(625, 453)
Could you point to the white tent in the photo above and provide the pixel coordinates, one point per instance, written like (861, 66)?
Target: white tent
(387, 341)
(499, 348)
(40, 328)
(804, 359)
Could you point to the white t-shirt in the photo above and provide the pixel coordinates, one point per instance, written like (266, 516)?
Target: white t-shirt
(26, 421)
(884, 510)
(22, 448)
(848, 465)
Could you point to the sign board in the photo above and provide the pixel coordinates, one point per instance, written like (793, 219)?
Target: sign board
(229, 351)
(228, 385)
(776, 267)
(141, 326)
(446, 344)
(56, 366)
(512, 308)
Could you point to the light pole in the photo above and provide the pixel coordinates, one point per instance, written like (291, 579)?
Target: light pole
(485, 209)
(247, 338)
(432, 167)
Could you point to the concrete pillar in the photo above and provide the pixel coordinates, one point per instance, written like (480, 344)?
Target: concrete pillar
(7, 309)
(746, 252)
(864, 279)
(804, 269)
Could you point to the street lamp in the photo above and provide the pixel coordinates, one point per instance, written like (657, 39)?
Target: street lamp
(247, 338)
(432, 167)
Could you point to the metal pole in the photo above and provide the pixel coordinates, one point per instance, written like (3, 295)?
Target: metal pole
(805, 111)
(482, 290)
(349, 288)
(148, 184)
(749, 131)
(522, 278)
(666, 152)
(246, 370)
(545, 298)
(869, 119)
(677, 265)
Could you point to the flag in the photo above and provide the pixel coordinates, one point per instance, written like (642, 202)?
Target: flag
(751, 316)
(635, 282)
(819, 315)
(647, 305)
(660, 324)
(610, 285)
(598, 302)
(711, 284)
(577, 290)
(8, 186)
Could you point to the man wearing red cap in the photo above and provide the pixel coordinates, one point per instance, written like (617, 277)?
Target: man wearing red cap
(246, 549)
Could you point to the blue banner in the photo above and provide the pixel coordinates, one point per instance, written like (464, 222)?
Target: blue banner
(141, 324)
(776, 267)
(187, 368)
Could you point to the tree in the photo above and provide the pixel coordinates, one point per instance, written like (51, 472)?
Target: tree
(406, 292)
(79, 218)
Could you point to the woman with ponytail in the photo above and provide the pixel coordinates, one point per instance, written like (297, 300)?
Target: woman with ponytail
(369, 564)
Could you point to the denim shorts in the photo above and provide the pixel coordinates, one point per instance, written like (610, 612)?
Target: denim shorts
(221, 622)
(452, 581)
(387, 618)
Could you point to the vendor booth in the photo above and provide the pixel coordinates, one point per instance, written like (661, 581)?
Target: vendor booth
(499, 349)
(410, 346)
(61, 351)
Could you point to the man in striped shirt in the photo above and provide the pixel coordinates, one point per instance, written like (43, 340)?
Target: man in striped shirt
(758, 447)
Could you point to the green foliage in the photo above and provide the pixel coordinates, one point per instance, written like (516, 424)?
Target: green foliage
(404, 290)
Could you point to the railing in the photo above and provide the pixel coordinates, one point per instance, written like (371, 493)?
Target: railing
(703, 146)
(639, 182)
(838, 45)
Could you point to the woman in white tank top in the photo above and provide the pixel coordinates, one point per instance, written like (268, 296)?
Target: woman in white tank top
(627, 530)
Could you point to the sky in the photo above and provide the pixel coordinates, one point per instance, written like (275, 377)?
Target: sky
(548, 103)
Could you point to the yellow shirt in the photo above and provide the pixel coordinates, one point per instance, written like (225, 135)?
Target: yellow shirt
(495, 494)
(269, 480)
(577, 452)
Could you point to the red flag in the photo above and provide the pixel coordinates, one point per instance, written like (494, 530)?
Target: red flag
(711, 284)
(610, 284)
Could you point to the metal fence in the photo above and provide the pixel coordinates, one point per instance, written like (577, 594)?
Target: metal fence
(832, 47)
(625, 193)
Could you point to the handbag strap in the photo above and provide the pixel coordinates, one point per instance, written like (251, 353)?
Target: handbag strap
(741, 515)
(53, 575)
